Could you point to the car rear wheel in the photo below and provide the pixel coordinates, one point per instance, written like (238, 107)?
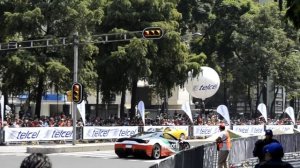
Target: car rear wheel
(122, 155)
(156, 150)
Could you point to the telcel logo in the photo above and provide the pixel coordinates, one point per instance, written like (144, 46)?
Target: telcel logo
(205, 87)
(28, 135)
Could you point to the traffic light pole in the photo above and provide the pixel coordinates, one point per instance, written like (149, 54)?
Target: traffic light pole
(148, 33)
(75, 78)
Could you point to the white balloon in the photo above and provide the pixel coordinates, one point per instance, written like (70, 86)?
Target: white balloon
(205, 84)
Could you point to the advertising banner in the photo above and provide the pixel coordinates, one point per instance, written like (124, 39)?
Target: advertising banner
(38, 133)
(187, 109)
(249, 129)
(287, 129)
(223, 111)
(141, 108)
(263, 110)
(162, 127)
(2, 108)
(202, 130)
(109, 132)
(81, 109)
(291, 113)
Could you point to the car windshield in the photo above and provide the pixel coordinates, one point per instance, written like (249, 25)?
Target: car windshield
(169, 136)
(143, 135)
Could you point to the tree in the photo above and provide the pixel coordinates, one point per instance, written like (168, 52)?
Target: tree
(36, 20)
(156, 61)
(262, 47)
(292, 11)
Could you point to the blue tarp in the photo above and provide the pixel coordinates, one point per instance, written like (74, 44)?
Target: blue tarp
(54, 97)
(49, 97)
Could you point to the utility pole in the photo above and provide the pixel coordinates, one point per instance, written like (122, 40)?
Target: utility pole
(75, 78)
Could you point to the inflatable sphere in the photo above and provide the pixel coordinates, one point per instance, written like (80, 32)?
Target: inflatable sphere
(204, 85)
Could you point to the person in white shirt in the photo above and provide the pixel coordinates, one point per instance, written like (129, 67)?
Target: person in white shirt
(223, 146)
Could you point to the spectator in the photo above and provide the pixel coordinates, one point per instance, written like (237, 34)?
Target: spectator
(259, 145)
(28, 112)
(223, 146)
(36, 160)
(273, 153)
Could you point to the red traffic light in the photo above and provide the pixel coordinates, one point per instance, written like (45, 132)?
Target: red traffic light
(77, 93)
(152, 33)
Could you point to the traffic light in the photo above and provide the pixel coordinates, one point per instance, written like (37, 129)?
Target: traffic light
(152, 33)
(69, 96)
(77, 93)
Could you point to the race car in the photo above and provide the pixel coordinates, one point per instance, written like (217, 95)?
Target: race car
(177, 133)
(149, 144)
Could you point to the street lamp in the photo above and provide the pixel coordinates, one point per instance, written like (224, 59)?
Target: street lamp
(188, 37)
(224, 66)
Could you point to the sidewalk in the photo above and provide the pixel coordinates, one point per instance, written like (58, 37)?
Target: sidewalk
(13, 149)
(56, 148)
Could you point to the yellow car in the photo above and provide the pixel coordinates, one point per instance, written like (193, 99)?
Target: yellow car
(177, 133)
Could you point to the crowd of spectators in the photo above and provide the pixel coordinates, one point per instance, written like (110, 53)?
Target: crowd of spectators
(172, 119)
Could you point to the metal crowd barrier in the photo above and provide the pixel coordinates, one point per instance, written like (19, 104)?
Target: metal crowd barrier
(205, 156)
(240, 156)
(251, 162)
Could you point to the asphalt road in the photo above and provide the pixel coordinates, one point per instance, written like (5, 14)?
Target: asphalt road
(12, 156)
(95, 159)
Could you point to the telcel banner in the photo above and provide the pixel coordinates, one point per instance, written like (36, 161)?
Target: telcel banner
(249, 129)
(38, 133)
(109, 132)
(202, 130)
(288, 129)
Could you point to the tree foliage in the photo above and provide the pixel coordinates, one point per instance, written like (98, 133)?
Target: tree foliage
(244, 41)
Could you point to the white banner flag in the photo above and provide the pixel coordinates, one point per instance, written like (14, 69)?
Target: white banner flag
(291, 113)
(223, 111)
(81, 109)
(186, 108)
(263, 110)
(141, 108)
(2, 108)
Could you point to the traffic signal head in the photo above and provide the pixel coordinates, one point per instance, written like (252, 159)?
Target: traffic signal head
(152, 33)
(69, 96)
(77, 93)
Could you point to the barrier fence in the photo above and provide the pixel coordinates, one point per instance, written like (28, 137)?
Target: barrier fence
(205, 156)
(202, 156)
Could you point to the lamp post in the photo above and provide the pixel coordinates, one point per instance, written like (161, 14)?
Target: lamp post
(224, 66)
(188, 37)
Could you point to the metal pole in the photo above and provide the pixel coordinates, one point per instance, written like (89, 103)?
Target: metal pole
(75, 46)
